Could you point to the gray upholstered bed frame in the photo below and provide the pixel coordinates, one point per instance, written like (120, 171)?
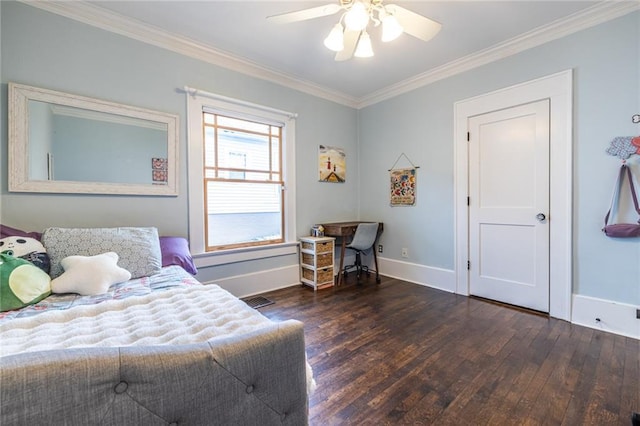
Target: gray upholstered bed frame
(254, 379)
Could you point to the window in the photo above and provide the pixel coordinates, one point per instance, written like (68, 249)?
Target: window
(237, 160)
(242, 182)
(241, 178)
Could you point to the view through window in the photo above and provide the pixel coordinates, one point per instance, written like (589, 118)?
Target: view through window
(243, 183)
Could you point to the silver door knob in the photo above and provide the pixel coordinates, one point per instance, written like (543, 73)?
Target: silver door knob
(541, 217)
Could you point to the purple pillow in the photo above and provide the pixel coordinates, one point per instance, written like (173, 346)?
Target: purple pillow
(6, 231)
(175, 251)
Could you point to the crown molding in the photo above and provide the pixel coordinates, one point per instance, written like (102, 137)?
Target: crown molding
(87, 13)
(592, 16)
(95, 16)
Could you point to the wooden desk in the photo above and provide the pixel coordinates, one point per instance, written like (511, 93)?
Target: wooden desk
(344, 230)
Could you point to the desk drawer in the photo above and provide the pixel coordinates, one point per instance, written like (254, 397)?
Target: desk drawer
(338, 231)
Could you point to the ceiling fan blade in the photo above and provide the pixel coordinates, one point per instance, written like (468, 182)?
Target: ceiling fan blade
(413, 24)
(303, 15)
(350, 42)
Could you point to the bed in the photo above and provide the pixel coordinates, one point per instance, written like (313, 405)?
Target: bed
(157, 349)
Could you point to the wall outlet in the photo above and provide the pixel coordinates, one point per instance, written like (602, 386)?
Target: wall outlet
(379, 248)
(637, 313)
(405, 252)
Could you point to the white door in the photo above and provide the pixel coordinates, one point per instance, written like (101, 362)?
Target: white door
(509, 205)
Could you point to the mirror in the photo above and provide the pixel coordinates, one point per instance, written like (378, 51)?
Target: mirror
(64, 143)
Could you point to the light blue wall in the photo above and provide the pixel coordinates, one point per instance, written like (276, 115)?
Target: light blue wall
(50, 51)
(606, 64)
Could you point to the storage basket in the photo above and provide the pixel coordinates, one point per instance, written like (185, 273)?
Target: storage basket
(325, 275)
(324, 260)
(319, 247)
(307, 274)
(307, 259)
(324, 247)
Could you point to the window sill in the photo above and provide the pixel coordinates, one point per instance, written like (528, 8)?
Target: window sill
(203, 260)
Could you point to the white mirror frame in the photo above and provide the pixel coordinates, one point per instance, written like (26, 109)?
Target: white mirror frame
(18, 158)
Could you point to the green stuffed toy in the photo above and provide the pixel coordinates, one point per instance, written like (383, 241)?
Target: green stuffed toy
(21, 283)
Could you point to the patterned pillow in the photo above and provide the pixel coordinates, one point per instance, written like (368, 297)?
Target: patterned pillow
(138, 248)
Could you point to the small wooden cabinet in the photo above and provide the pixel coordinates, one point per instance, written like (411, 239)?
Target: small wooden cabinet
(316, 261)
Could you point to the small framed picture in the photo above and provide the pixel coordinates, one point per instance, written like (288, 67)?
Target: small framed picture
(159, 173)
(332, 165)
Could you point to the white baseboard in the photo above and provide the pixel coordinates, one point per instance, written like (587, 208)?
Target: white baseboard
(617, 318)
(288, 276)
(260, 282)
(441, 279)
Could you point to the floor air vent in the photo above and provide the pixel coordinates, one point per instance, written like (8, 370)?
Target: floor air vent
(257, 301)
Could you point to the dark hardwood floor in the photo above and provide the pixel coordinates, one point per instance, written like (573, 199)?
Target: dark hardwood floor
(401, 353)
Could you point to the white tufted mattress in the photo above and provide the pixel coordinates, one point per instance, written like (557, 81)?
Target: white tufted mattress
(180, 315)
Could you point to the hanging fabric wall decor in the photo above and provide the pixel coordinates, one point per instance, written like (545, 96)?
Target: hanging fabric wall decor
(403, 187)
(403, 184)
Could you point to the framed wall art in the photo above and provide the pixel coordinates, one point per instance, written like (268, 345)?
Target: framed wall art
(332, 165)
(159, 170)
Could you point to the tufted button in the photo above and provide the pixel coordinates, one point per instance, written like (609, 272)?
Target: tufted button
(173, 424)
(250, 389)
(121, 387)
(283, 416)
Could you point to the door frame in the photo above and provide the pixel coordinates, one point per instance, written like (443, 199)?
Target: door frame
(558, 88)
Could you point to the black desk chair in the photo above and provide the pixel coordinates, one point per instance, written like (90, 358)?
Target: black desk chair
(363, 240)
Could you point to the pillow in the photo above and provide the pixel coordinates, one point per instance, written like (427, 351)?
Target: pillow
(26, 248)
(6, 231)
(21, 283)
(175, 251)
(89, 275)
(137, 248)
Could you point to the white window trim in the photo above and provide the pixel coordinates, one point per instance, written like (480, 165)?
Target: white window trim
(198, 100)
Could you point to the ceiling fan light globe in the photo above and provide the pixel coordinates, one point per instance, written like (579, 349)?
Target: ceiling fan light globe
(357, 18)
(391, 28)
(335, 39)
(364, 48)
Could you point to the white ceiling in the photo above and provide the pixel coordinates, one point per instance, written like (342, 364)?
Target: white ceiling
(295, 51)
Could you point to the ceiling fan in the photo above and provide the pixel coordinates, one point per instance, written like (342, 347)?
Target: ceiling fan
(349, 36)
